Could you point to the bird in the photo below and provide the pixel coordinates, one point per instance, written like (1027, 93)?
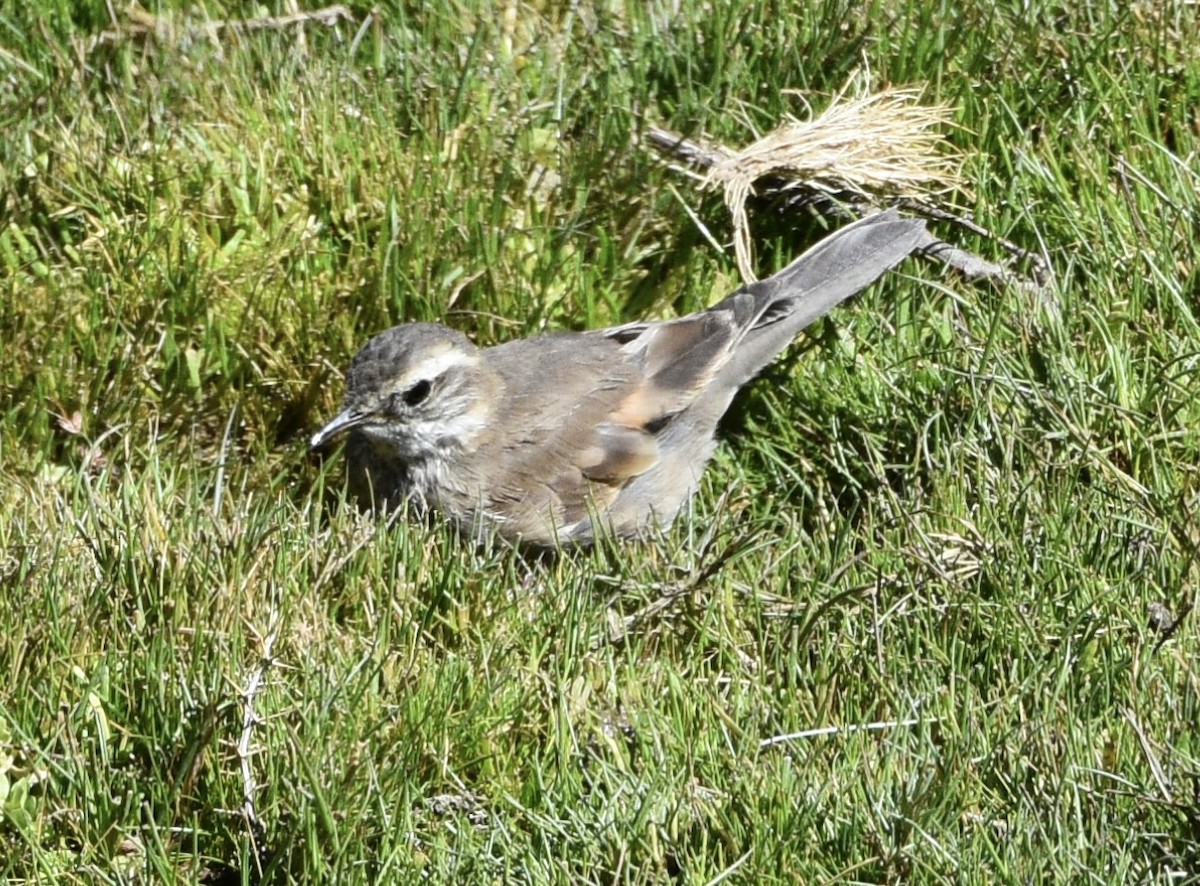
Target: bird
(557, 439)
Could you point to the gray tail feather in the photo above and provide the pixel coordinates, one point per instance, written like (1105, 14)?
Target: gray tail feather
(844, 263)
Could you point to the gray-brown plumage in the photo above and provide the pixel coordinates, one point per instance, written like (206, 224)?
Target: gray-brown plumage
(538, 440)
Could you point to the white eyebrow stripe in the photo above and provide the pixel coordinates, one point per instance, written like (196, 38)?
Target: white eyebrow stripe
(433, 366)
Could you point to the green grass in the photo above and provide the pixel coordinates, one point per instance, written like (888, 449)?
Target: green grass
(953, 506)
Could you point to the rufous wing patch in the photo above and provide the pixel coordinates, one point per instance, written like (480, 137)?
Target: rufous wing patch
(617, 453)
(678, 361)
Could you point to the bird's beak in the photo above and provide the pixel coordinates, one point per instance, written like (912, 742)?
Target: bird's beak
(344, 421)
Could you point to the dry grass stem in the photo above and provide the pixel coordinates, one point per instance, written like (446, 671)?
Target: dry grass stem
(885, 145)
(142, 24)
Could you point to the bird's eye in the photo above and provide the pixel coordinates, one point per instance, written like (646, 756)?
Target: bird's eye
(417, 393)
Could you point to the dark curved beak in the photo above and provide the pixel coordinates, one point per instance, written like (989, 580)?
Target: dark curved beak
(346, 420)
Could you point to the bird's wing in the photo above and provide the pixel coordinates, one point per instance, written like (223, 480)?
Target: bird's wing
(579, 437)
(676, 360)
(737, 337)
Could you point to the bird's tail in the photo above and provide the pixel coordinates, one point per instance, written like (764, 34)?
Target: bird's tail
(772, 311)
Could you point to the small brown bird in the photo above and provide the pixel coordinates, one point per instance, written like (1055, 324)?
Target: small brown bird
(556, 438)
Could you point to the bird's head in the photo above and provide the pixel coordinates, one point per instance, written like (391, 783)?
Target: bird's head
(418, 390)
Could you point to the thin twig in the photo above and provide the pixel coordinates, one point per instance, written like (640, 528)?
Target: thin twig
(371, 18)
(222, 458)
(700, 225)
(1160, 777)
(1038, 264)
(672, 594)
(728, 872)
(250, 719)
(839, 730)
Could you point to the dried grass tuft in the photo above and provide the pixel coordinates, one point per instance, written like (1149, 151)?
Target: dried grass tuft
(876, 148)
